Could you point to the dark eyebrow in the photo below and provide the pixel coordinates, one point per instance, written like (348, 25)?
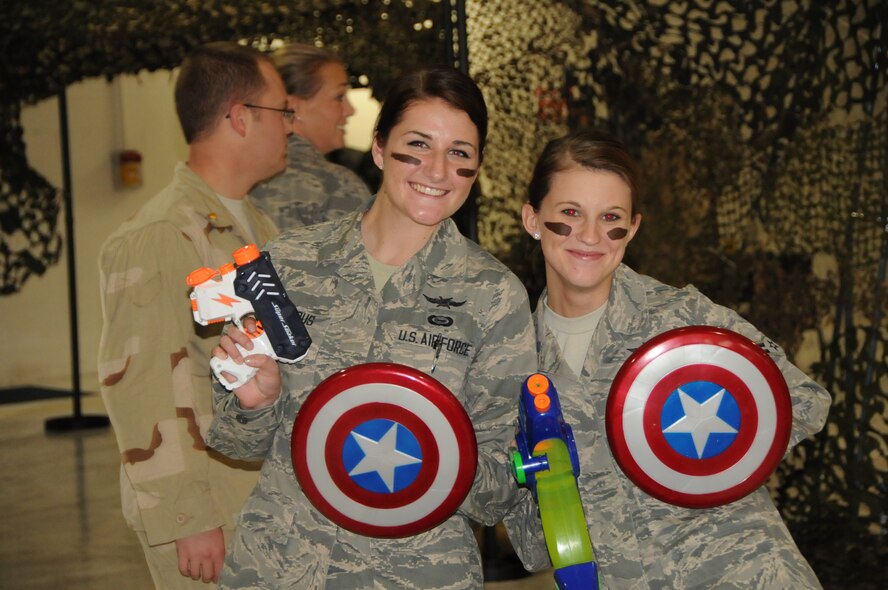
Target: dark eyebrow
(419, 133)
(426, 136)
(568, 203)
(575, 205)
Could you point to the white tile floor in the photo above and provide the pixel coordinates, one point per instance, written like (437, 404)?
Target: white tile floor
(60, 521)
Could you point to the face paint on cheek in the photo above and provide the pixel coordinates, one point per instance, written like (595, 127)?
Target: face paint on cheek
(562, 229)
(466, 172)
(618, 233)
(406, 159)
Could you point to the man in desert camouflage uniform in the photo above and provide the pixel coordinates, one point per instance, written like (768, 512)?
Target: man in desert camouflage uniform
(313, 189)
(180, 497)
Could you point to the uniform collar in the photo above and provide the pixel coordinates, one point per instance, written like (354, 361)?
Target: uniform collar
(623, 319)
(206, 203)
(299, 148)
(547, 347)
(627, 302)
(442, 258)
(185, 175)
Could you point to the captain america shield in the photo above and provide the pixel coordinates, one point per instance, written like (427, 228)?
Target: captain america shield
(698, 416)
(384, 450)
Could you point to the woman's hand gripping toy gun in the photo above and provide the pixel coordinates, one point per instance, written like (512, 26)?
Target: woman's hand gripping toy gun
(547, 462)
(249, 287)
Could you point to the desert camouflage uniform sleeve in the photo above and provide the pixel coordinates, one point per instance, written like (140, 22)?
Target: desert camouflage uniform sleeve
(506, 357)
(810, 401)
(148, 383)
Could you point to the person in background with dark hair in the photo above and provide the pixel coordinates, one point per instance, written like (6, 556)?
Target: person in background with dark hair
(312, 189)
(583, 209)
(371, 284)
(179, 496)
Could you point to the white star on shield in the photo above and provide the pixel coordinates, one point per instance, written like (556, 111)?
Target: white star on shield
(382, 456)
(700, 420)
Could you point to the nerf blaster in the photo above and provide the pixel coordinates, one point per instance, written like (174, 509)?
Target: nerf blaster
(546, 462)
(249, 287)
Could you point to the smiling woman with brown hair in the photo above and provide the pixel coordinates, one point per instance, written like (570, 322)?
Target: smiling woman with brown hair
(595, 312)
(313, 189)
(392, 284)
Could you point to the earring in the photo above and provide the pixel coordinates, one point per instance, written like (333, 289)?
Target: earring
(536, 235)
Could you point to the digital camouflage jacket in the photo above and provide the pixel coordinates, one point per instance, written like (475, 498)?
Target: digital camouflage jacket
(283, 541)
(311, 189)
(639, 541)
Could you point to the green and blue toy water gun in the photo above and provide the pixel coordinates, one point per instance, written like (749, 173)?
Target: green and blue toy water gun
(547, 463)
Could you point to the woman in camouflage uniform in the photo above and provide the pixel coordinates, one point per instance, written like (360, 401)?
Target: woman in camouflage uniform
(594, 313)
(312, 189)
(384, 285)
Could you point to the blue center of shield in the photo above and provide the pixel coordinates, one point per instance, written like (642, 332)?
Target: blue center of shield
(700, 419)
(382, 456)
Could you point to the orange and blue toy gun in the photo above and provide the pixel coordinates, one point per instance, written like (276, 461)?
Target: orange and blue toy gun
(546, 461)
(249, 287)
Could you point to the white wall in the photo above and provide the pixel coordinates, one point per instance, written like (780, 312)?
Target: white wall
(132, 112)
(359, 131)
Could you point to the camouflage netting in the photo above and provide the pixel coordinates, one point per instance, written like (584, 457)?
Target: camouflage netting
(761, 127)
(46, 46)
(29, 208)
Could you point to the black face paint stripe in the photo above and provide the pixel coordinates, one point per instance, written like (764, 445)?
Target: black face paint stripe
(406, 159)
(618, 233)
(562, 229)
(466, 172)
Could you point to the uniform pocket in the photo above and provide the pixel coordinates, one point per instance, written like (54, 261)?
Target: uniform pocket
(440, 351)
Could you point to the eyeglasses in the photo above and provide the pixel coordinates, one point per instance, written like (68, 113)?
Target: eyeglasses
(287, 114)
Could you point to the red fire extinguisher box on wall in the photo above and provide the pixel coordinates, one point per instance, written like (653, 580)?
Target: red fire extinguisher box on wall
(129, 169)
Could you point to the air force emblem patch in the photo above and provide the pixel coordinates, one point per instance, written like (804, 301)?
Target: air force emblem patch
(699, 416)
(384, 450)
(445, 302)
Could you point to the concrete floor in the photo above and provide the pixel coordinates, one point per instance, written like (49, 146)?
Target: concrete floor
(61, 525)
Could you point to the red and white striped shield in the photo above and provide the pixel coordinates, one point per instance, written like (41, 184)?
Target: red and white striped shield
(384, 450)
(699, 416)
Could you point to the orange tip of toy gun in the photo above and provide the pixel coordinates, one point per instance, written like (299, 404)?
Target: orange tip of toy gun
(245, 255)
(538, 386)
(201, 275)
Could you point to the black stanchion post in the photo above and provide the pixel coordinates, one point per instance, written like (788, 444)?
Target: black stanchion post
(77, 421)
